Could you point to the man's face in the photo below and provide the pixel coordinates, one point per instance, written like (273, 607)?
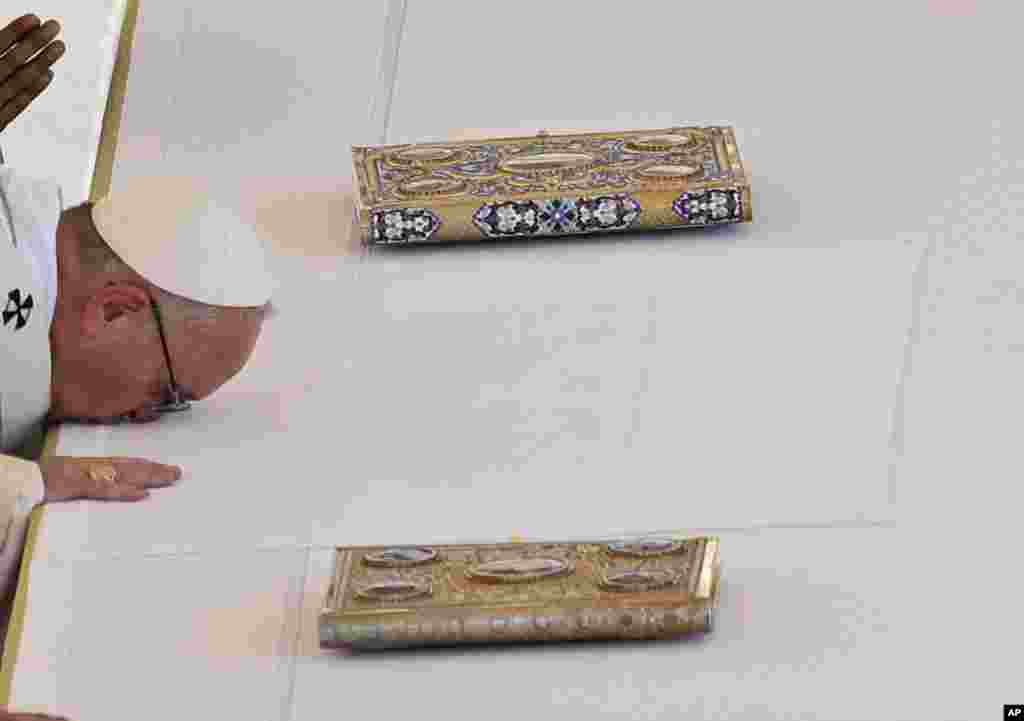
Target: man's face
(110, 364)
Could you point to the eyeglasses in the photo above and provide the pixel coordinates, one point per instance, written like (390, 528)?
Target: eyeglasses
(175, 401)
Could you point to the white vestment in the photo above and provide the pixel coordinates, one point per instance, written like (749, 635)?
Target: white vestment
(29, 213)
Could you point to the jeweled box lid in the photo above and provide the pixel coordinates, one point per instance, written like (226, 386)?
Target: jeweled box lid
(651, 572)
(438, 174)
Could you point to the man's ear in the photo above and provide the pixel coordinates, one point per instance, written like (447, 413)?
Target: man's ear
(110, 303)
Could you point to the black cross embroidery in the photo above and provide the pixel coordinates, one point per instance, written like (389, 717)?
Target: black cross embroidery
(16, 308)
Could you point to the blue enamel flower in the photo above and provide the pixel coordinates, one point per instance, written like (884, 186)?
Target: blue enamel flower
(558, 215)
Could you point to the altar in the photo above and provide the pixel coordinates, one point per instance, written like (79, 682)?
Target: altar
(811, 387)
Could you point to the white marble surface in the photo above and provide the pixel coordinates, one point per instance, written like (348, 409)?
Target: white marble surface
(170, 637)
(264, 102)
(805, 613)
(442, 399)
(964, 390)
(58, 137)
(274, 91)
(958, 480)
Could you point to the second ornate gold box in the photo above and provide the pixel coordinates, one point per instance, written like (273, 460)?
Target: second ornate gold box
(643, 588)
(550, 185)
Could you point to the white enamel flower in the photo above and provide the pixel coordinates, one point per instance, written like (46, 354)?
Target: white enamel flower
(606, 212)
(508, 218)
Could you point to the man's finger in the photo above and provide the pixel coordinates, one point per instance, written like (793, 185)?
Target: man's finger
(129, 493)
(14, 108)
(118, 492)
(32, 74)
(16, 29)
(161, 476)
(149, 473)
(23, 51)
(128, 462)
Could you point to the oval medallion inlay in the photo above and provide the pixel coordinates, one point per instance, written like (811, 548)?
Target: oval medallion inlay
(394, 590)
(400, 557)
(517, 570)
(426, 187)
(658, 143)
(543, 163)
(667, 172)
(639, 580)
(645, 547)
(425, 155)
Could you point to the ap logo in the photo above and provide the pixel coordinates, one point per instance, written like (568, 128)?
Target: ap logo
(1014, 711)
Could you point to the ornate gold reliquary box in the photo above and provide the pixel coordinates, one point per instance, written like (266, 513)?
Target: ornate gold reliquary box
(382, 597)
(550, 185)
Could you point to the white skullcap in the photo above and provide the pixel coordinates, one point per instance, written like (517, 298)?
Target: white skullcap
(171, 232)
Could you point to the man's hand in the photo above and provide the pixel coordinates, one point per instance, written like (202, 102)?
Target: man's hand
(68, 478)
(27, 50)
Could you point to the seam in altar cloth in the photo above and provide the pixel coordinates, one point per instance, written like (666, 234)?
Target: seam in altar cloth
(288, 713)
(394, 29)
(897, 422)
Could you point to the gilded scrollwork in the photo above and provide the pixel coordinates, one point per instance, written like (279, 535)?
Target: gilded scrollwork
(514, 165)
(487, 574)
